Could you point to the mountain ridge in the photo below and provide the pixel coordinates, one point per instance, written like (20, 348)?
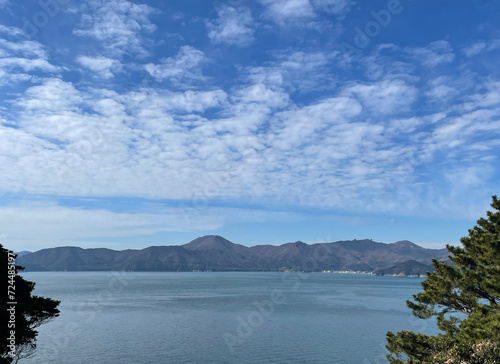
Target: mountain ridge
(215, 253)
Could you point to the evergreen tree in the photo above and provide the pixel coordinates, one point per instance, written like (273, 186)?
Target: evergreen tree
(464, 297)
(29, 311)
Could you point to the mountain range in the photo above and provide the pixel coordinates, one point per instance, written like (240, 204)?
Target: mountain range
(214, 253)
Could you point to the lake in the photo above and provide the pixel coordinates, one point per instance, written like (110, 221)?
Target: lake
(222, 317)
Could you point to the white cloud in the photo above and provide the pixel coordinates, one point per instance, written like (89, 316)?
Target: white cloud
(336, 7)
(304, 61)
(54, 95)
(13, 31)
(385, 62)
(284, 10)
(185, 65)
(250, 142)
(261, 94)
(474, 49)
(27, 65)
(160, 101)
(297, 127)
(408, 125)
(433, 54)
(460, 130)
(20, 60)
(486, 95)
(104, 67)
(118, 24)
(23, 47)
(387, 96)
(12, 78)
(299, 71)
(480, 47)
(441, 89)
(233, 26)
(397, 129)
(3, 3)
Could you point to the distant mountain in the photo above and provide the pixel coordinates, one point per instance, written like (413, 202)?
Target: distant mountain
(215, 253)
(410, 268)
(20, 254)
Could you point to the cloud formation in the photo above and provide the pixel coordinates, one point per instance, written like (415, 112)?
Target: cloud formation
(233, 26)
(104, 67)
(247, 104)
(185, 66)
(21, 59)
(118, 24)
(281, 10)
(435, 53)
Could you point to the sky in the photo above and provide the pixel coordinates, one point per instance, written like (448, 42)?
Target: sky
(126, 124)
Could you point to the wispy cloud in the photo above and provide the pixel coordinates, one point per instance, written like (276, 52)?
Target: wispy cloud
(102, 66)
(20, 59)
(185, 66)
(336, 7)
(304, 13)
(481, 46)
(233, 26)
(283, 10)
(248, 104)
(142, 141)
(118, 24)
(433, 54)
(10, 30)
(386, 96)
(27, 65)
(441, 89)
(296, 71)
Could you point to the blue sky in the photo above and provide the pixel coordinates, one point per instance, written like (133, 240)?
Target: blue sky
(125, 124)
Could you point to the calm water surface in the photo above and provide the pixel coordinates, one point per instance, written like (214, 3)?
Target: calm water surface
(116, 317)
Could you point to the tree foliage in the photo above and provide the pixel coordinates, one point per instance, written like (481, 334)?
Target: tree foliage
(30, 312)
(464, 297)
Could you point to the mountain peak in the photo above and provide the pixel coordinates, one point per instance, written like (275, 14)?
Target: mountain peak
(405, 243)
(209, 242)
